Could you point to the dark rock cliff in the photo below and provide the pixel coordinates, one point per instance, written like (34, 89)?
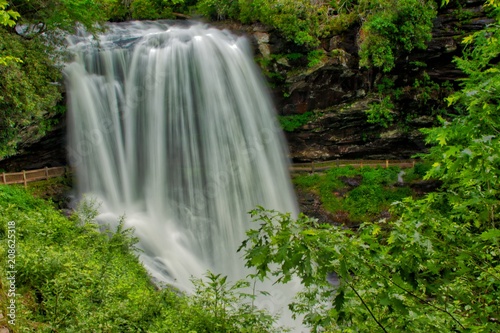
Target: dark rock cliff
(340, 92)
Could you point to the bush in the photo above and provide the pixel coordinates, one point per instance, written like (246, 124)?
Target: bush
(149, 10)
(392, 27)
(294, 122)
(72, 278)
(29, 92)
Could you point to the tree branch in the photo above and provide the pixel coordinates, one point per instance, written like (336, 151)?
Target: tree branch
(367, 308)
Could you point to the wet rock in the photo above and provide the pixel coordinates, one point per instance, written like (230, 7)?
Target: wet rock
(310, 204)
(351, 181)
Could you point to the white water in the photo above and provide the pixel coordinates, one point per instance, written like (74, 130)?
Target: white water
(173, 128)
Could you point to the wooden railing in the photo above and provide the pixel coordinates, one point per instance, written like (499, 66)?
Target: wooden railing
(25, 177)
(322, 166)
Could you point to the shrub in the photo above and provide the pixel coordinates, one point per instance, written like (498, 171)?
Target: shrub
(392, 28)
(293, 122)
(72, 278)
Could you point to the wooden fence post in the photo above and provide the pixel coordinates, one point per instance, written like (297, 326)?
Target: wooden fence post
(312, 167)
(387, 164)
(46, 173)
(3, 178)
(24, 179)
(413, 163)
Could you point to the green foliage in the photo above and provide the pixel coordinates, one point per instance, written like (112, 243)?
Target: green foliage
(426, 88)
(29, 86)
(402, 276)
(144, 10)
(70, 277)
(381, 113)
(117, 10)
(417, 173)
(229, 308)
(424, 93)
(151, 9)
(29, 91)
(293, 122)
(50, 15)
(354, 195)
(391, 28)
(315, 57)
(466, 154)
(219, 10)
(434, 269)
(388, 28)
(123, 10)
(7, 17)
(301, 21)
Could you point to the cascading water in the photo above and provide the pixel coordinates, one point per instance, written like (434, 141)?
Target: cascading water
(173, 128)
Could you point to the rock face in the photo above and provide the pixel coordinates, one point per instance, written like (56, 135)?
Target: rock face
(340, 92)
(343, 133)
(50, 151)
(336, 90)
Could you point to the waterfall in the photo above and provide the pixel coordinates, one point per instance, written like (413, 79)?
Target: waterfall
(173, 128)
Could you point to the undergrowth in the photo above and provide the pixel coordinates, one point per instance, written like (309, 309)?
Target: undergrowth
(293, 122)
(70, 277)
(353, 195)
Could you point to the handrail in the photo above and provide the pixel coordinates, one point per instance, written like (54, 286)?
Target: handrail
(322, 166)
(27, 176)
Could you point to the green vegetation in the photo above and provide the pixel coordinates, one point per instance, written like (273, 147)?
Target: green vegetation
(354, 195)
(29, 91)
(70, 277)
(301, 21)
(388, 28)
(391, 28)
(29, 87)
(381, 113)
(436, 268)
(54, 190)
(7, 18)
(293, 122)
(388, 107)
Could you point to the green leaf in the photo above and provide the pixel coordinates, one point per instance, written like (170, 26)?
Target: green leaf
(491, 234)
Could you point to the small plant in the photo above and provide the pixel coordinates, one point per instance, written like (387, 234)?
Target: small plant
(315, 57)
(381, 113)
(230, 306)
(293, 122)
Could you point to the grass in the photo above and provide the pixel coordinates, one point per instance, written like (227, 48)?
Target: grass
(353, 195)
